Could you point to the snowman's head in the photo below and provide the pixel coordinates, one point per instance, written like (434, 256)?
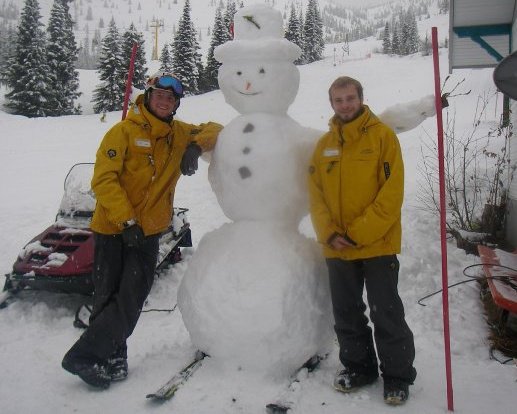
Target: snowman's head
(259, 85)
(257, 72)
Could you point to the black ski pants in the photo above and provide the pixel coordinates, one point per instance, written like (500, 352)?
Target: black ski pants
(122, 278)
(393, 338)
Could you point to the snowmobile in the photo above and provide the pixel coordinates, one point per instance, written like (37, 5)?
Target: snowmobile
(60, 259)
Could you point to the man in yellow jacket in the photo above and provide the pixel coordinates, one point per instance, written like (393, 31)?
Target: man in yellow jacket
(356, 186)
(138, 164)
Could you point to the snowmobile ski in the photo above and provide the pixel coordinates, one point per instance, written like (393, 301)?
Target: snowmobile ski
(168, 390)
(285, 402)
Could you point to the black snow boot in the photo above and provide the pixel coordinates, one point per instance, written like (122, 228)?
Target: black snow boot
(396, 392)
(117, 364)
(349, 381)
(90, 369)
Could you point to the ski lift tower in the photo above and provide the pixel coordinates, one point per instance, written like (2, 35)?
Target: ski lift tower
(156, 24)
(346, 47)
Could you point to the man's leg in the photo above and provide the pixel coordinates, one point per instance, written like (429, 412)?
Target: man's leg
(394, 339)
(116, 314)
(357, 352)
(107, 270)
(116, 321)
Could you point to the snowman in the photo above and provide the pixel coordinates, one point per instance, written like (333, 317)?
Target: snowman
(255, 292)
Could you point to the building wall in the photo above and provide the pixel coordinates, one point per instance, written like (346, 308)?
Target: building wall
(511, 218)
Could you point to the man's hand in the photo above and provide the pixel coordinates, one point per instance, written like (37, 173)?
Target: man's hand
(188, 165)
(133, 236)
(339, 242)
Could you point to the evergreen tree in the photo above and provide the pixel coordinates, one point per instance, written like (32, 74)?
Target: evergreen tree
(426, 48)
(403, 33)
(166, 59)
(186, 58)
(219, 36)
(231, 9)
(129, 38)
(413, 41)
(61, 57)
(314, 43)
(443, 6)
(28, 73)
(87, 57)
(7, 49)
(386, 39)
(109, 94)
(294, 31)
(395, 40)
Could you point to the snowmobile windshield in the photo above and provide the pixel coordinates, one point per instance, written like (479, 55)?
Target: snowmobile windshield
(78, 199)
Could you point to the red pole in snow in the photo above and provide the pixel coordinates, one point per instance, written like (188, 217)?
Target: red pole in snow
(441, 171)
(129, 80)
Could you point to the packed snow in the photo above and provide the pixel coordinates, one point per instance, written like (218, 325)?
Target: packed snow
(37, 327)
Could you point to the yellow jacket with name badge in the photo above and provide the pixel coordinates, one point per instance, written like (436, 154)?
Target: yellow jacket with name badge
(356, 187)
(137, 167)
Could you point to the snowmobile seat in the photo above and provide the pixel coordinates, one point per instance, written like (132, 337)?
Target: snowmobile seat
(500, 268)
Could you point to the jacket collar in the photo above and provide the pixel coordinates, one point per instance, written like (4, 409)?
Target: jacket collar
(358, 125)
(365, 120)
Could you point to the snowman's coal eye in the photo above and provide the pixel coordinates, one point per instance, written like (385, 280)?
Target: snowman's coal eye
(262, 70)
(239, 73)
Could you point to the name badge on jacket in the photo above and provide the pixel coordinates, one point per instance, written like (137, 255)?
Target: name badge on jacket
(142, 142)
(330, 152)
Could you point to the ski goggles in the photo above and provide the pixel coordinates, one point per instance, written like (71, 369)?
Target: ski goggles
(167, 82)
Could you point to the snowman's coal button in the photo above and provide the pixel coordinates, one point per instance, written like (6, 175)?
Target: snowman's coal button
(248, 128)
(244, 172)
(246, 150)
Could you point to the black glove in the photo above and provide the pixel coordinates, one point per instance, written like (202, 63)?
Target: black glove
(188, 165)
(133, 236)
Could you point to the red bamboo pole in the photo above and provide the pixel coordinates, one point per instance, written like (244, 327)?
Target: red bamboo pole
(129, 80)
(443, 235)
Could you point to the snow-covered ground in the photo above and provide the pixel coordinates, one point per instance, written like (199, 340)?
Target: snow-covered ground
(37, 329)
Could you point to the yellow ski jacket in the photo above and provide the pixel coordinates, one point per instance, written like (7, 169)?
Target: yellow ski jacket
(356, 187)
(137, 167)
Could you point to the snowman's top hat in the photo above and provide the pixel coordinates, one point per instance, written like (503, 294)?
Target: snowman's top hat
(258, 35)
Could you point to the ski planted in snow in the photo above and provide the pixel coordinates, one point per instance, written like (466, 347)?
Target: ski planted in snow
(168, 390)
(285, 402)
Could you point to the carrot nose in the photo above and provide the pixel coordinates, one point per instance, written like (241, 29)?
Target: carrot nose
(248, 85)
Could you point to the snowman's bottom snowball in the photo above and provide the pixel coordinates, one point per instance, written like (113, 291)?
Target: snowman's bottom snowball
(256, 296)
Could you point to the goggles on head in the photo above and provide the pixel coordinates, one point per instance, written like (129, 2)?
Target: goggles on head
(167, 82)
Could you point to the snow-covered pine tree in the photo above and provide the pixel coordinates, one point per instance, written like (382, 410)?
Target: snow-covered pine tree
(219, 36)
(403, 33)
(413, 41)
(294, 31)
(61, 57)
(28, 73)
(231, 9)
(129, 38)
(426, 47)
(7, 48)
(186, 57)
(409, 41)
(314, 43)
(443, 6)
(87, 58)
(395, 39)
(386, 40)
(165, 59)
(109, 94)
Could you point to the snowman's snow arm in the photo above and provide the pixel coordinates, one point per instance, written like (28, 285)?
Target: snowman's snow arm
(404, 117)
